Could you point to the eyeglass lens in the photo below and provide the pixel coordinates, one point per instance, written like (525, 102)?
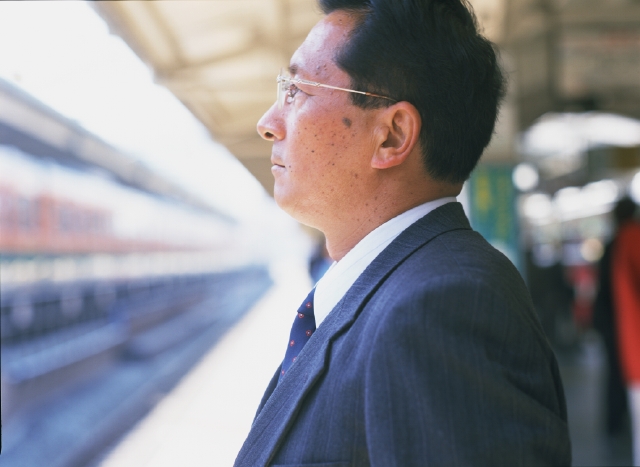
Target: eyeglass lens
(283, 82)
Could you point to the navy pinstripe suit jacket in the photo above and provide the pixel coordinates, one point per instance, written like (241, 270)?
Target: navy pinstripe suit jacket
(433, 357)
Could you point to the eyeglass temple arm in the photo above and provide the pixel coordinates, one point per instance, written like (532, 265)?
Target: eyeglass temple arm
(320, 85)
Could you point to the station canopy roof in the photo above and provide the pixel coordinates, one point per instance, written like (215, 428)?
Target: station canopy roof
(221, 58)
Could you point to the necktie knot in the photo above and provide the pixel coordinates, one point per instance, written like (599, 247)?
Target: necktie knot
(303, 328)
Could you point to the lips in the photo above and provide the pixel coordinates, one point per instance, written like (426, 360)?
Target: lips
(276, 162)
(277, 166)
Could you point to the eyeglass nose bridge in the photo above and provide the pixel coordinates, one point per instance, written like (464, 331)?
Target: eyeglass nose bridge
(281, 90)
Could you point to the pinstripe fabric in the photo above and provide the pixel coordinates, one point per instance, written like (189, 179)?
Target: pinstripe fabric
(433, 357)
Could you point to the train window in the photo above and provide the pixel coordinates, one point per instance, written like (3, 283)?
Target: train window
(65, 219)
(22, 312)
(26, 214)
(71, 302)
(4, 209)
(104, 295)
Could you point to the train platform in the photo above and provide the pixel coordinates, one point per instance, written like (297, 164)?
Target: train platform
(205, 419)
(584, 373)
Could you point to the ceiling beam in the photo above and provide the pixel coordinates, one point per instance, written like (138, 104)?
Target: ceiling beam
(167, 32)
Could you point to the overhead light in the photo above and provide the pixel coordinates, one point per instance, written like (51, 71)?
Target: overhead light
(564, 134)
(568, 199)
(537, 206)
(603, 192)
(525, 177)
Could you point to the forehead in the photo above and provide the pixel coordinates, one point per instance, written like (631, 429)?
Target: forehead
(315, 57)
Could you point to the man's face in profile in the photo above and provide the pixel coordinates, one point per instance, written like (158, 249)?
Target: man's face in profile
(322, 143)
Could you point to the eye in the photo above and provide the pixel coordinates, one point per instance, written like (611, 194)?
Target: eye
(292, 90)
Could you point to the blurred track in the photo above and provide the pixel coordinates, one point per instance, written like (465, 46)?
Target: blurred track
(70, 392)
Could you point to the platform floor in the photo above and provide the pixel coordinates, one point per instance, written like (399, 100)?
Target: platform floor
(584, 372)
(205, 419)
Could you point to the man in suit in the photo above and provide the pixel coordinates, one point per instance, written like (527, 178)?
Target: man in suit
(422, 347)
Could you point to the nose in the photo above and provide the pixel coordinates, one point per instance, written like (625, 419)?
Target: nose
(270, 125)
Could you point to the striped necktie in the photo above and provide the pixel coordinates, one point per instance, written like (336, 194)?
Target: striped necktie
(303, 327)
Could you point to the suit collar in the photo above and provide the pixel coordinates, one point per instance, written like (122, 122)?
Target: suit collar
(341, 276)
(281, 404)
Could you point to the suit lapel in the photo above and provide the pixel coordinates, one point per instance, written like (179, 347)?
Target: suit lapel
(281, 403)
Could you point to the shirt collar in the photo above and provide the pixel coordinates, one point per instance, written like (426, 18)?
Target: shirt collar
(342, 274)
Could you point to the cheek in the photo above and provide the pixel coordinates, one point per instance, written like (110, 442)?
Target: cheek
(316, 141)
(325, 142)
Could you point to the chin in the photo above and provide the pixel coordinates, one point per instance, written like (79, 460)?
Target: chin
(278, 196)
(284, 201)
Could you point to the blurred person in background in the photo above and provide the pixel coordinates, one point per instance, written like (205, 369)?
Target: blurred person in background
(626, 295)
(420, 345)
(552, 293)
(604, 321)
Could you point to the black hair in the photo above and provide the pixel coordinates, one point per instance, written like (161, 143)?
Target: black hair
(624, 210)
(428, 53)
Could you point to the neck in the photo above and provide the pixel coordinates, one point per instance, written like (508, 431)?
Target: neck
(345, 233)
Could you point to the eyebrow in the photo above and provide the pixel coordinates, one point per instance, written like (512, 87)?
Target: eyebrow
(293, 69)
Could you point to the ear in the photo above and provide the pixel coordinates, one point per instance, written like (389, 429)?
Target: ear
(398, 133)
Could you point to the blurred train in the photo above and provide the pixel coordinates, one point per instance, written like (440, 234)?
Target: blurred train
(47, 208)
(101, 259)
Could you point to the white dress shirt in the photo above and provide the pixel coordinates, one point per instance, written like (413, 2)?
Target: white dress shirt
(342, 274)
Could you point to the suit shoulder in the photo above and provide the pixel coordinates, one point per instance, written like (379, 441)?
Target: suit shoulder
(463, 257)
(458, 280)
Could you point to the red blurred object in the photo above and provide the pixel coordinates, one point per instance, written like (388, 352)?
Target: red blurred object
(584, 280)
(626, 293)
(48, 224)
